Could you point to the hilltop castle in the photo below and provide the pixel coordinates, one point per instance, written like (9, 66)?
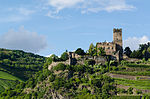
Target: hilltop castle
(113, 48)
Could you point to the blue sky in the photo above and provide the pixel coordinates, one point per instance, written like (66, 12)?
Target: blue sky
(53, 26)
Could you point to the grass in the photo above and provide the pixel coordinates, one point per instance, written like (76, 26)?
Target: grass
(138, 84)
(133, 73)
(4, 75)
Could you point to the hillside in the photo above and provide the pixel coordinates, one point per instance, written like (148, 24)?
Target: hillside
(109, 81)
(125, 79)
(66, 81)
(16, 66)
(132, 74)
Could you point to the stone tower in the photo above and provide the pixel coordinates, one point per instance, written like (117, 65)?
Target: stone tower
(117, 39)
(117, 36)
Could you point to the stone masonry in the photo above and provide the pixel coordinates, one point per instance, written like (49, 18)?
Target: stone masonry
(113, 48)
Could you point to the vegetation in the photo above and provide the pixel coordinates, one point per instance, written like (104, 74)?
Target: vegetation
(64, 56)
(78, 81)
(26, 76)
(17, 66)
(127, 51)
(142, 52)
(101, 52)
(79, 51)
(92, 50)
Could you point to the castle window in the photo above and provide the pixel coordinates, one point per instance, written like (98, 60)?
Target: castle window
(112, 48)
(108, 48)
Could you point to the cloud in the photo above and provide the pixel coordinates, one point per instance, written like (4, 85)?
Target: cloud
(25, 11)
(16, 14)
(23, 40)
(133, 42)
(86, 6)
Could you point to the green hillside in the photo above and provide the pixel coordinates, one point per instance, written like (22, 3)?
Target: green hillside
(4, 75)
(8, 81)
(19, 63)
(17, 66)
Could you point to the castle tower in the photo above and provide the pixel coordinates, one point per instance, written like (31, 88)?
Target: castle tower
(117, 36)
(117, 39)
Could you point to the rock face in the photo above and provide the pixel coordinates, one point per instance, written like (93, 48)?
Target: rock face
(56, 63)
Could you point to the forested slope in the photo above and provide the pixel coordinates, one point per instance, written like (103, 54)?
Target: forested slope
(16, 66)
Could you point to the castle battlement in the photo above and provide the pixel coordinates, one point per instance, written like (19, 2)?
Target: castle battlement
(117, 30)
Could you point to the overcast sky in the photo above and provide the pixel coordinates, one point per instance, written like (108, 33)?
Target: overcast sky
(54, 26)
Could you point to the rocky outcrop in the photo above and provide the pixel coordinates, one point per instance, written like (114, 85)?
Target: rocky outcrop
(56, 63)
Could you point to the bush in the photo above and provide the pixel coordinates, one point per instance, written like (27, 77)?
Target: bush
(121, 90)
(90, 62)
(59, 82)
(130, 90)
(138, 92)
(60, 66)
(115, 68)
(52, 78)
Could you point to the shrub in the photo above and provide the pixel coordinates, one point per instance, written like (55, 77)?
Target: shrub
(138, 92)
(115, 68)
(130, 90)
(90, 62)
(121, 90)
(60, 66)
(52, 78)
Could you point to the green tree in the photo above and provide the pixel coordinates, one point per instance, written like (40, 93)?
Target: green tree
(91, 49)
(64, 56)
(79, 51)
(101, 52)
(127, 51)
(136, 54)
(148, 50)
(54, 58)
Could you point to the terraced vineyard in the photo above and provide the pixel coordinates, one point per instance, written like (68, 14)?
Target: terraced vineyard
(134, 75)
(7, 81)
(4, 75)
(17, 66)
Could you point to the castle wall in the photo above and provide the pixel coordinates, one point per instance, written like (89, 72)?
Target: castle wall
(115, 47)
(109, 48)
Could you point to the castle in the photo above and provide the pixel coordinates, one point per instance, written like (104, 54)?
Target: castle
(113, 48)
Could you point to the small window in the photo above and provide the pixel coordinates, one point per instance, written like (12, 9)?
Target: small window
(108, 48)
(112, 48)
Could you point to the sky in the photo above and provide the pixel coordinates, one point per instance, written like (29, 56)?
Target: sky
(48, 27)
